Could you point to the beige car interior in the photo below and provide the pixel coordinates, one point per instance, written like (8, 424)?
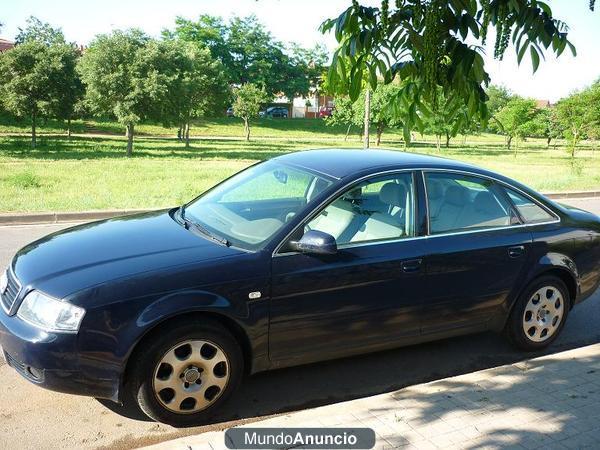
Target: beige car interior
(453, 206)
(349, 220)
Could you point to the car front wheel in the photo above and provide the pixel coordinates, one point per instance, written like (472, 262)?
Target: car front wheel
(184, 375)
(539, 314)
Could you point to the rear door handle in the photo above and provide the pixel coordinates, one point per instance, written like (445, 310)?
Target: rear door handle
(412, 265)
(516, 251)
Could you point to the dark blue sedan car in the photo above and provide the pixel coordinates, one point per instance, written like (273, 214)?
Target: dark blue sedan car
(309, 256)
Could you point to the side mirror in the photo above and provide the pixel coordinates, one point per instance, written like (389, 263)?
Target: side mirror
(315, 242)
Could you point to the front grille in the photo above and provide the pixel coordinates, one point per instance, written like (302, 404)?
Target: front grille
(9, 297)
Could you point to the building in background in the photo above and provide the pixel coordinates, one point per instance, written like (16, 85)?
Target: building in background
(5, 44)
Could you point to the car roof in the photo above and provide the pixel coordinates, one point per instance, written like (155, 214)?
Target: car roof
(340, 163)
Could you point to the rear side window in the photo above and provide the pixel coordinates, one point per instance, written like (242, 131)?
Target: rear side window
(461, 202)
(531, 212)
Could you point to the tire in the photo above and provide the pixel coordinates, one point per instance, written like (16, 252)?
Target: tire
(185, 373)
(532, 314)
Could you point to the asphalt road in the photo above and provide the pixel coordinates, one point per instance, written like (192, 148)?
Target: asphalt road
(31, 417)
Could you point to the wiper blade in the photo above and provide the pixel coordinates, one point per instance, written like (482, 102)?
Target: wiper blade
(188, 223)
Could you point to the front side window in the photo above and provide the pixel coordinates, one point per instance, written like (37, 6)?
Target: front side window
(460, 202)
(250, 207)
(530, 212)
(382, 208)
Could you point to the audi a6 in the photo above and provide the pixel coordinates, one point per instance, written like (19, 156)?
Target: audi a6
(306, 257)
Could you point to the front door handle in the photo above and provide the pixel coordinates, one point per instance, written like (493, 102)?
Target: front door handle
(412, 265)
(516, 251)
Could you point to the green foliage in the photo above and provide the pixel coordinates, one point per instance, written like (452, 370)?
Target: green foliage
(25, 180)
(446, 118)
(437, 45)
(125, 77)
(517, 118)
(251, 55)
(38, 31)
(39, 81)
(498, 97)
(384, 113)
(196, 84)
(247, 103)
(579, 115)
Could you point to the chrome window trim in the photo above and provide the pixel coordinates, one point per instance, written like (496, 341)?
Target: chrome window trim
(423, 171)
(11, 311)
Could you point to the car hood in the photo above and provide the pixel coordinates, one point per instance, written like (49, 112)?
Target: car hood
(87, 255)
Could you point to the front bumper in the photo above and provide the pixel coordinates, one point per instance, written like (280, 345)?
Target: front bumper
(50, 360)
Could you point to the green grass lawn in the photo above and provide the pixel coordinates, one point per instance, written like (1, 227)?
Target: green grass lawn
(86, 173)
(217, 127)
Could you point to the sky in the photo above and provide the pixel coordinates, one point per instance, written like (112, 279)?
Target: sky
(298, 21)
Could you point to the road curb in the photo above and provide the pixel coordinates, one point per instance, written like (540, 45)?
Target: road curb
(84, 216)
(58, 217)
(572, 194)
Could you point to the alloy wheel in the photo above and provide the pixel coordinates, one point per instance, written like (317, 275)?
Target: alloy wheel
(191, 376)
(543, 314)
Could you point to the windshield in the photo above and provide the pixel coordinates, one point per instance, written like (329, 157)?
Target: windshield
(249, 208)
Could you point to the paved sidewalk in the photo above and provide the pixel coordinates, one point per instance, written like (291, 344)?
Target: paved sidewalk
(552, 402)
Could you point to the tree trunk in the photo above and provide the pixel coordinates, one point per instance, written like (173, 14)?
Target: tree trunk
(187, 135)
(367, 116)
(508, 141)
(447, 140)
(380, 128)
(69, 128)
(180, 133)
(575, 141)
(347, 132)
(33, 123)
(129, 134)
(548, 140)
(438, 142)
(247, 128)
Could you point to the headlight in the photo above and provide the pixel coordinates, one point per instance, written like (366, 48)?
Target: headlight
(50, 314)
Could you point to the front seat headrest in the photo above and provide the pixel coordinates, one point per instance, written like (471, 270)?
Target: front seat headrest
(434, 189)
(393, 194)
(484, 201)
(456, 195)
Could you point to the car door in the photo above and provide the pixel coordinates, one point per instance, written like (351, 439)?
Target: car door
(476, 252)
(364, 297)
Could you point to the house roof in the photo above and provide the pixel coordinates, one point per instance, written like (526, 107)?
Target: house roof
(6, 44)
(541, 103)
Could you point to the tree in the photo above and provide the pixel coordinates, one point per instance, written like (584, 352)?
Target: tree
(592, 129)
(437, 44)
(68, 87)
(446, 120)
(517, 119)
(544, 125)
(498, 97)
(575, 114)
(382, 115)
(344, 114)
(36, 80)
(248, 99)
(383, 112)
(250, 54)
(197, 85)
(123, 78)
(41, 32)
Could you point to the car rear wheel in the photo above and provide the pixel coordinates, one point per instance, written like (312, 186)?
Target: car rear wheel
(182, 377)
(539, 314)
